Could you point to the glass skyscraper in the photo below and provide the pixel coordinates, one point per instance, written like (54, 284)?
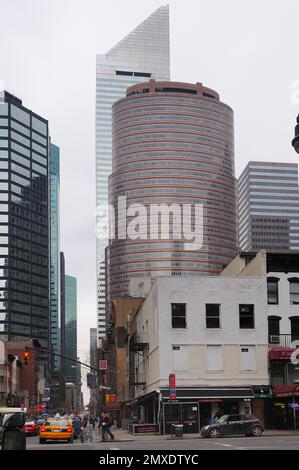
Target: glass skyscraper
(70, 292)
(54, 255)
(24, 222)
(142, 54)
(268, 199)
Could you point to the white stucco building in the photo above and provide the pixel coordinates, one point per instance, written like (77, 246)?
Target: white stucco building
(226, 339)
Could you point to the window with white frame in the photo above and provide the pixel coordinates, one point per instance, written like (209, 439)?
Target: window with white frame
(247, 358)
(214, 357)
(179, 358)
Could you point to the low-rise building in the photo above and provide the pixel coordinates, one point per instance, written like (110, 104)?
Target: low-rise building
(281, 271)
(212, 334)
(227, 340)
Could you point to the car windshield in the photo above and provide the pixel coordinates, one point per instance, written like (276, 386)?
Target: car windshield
(222, 419)
(56, 422)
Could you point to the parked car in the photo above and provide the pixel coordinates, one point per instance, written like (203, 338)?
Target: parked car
(233, 425)
(31, 428)
(56, 428)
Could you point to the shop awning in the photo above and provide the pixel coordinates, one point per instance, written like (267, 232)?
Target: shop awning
(210, 393)
(280, 354)
(285, 391)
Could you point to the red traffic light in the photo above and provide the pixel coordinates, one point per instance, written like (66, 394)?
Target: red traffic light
(26, 357)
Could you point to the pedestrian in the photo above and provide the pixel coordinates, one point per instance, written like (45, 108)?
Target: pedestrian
(104, 424)
(219, 414)
(92, 421)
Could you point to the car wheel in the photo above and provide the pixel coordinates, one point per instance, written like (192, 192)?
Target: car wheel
(215, 432)
(256, 431)
(71, 440)
(42, 441)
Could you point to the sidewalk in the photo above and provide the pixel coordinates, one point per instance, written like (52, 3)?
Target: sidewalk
(122, 435)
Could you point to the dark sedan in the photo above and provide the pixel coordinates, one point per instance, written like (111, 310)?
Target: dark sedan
(232, 425)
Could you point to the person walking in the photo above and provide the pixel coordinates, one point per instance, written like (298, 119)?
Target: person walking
(104, 424)
(92, 421)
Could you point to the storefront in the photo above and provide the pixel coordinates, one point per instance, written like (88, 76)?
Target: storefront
(285, 407)
(192, 407)
(262, 402)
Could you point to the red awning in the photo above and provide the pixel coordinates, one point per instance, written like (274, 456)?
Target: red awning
(282, 391)
(278, 354)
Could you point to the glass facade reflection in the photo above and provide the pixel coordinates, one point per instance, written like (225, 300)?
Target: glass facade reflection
(70, 347)
(24, 226)
(142, 53)
(54, 254)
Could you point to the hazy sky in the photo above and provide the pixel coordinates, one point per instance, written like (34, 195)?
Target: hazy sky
(246, 50)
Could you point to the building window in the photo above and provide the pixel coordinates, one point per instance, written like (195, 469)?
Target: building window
(274, 329)
(214, 357)
(247, 358)
(178, 316)
(294, 290)
(213, 315)
(294, 328)
(246, 315)
(272, 290)
(179, 358)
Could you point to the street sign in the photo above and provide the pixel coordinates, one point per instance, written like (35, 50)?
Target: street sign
(103, 364)
(172, 387)
(294, 405)
(90, 380)
(47, 394)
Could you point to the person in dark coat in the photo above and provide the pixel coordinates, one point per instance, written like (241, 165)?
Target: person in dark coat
(104, 424)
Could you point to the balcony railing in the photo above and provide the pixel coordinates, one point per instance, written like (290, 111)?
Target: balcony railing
(284, 341)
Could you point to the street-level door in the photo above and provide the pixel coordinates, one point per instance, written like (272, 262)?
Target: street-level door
(181, 413)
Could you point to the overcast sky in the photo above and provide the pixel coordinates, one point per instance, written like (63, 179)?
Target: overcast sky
(246, 51)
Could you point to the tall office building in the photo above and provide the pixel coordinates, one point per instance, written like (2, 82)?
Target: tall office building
(71, 328)
(24, 223)
(62, 312)
(268, 199)
(173, 144)
(142, 53)
(54, 256)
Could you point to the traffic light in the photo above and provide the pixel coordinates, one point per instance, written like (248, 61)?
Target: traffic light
(26, 357)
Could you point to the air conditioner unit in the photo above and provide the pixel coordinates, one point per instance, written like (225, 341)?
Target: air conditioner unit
(274, 339)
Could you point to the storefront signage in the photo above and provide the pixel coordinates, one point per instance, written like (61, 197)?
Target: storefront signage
(280, 354)
(172, 387)
(285, 391)
(103, 364)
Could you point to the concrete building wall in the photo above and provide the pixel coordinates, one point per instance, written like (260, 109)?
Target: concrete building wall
(154, 325)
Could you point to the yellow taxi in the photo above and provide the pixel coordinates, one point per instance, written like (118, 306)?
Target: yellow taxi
(56, 428)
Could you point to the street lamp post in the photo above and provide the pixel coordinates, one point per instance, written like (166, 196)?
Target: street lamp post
(295, 141)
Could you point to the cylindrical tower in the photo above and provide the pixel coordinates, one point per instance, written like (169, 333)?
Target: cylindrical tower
(173, 143)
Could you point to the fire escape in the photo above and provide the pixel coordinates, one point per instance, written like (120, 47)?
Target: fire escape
(136, 363)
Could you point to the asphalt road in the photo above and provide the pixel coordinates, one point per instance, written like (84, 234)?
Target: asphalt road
(231, 443)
